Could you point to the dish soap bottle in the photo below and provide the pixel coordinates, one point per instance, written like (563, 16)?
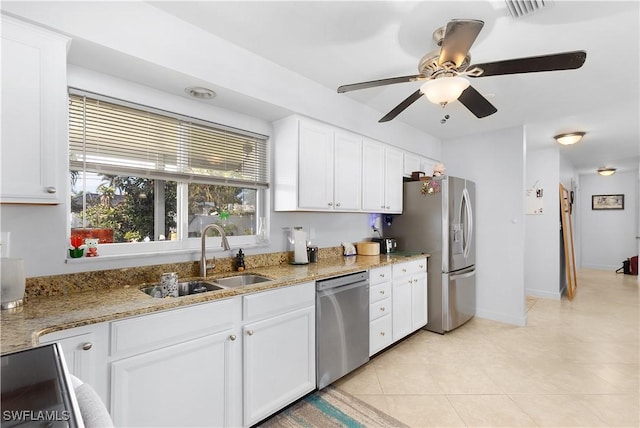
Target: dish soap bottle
(240, 261)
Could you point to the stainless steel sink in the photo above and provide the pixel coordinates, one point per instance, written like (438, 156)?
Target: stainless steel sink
(240, 280)
(184, 288)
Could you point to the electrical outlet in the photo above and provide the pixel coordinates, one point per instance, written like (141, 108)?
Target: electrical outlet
(4, 243)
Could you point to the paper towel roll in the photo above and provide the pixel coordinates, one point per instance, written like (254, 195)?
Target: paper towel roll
(300, 246)
(12, 282)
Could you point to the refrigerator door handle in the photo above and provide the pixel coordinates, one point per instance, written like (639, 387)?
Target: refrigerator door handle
(467, 274)
(468, 222)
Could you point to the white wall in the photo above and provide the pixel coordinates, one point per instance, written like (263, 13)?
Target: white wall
(608, 236)
(496, 162)
(542, 245)
(39, 233)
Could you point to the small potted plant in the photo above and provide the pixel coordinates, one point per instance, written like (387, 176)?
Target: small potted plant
(76, 243)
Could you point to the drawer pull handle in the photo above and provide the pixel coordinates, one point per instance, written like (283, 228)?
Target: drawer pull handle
(421, 266)
(404, 270)
(382, 333)
(250, 332)
(232, 337)
(381, 291)
(87, 346)
(381, 275)
(382, 308)
(51, 189)
(330, 204)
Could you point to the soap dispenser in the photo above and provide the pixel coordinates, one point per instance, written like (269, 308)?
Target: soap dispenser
(240, 261)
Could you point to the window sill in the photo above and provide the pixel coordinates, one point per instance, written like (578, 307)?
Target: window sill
(155, 254)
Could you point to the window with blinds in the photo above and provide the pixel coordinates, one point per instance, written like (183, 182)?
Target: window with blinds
(140, 174)
(119, 138)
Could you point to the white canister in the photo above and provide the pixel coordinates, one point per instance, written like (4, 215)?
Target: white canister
(169, 284)
(12, 282)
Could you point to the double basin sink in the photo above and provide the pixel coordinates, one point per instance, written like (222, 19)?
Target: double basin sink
(202, 286)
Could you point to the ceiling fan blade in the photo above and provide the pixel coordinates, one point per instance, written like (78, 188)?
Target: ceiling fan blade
(561, 61)
(401, 107)
(458, 38)
(381, 82)
(476, 103)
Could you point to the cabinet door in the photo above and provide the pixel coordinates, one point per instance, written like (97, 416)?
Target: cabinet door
(393, 181)
(347, 171)
(34, 115)
(419, 316)
(401, 312)
(279, 362)
(412, 163)
(188, 384)
(315, 169)
(85, 353)
(373, 164)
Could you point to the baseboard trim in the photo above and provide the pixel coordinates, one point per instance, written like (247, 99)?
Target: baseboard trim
(544, 294)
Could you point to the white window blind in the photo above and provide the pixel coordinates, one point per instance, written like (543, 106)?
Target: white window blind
(109, 136)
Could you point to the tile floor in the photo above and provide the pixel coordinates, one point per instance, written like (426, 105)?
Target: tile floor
(576, 364)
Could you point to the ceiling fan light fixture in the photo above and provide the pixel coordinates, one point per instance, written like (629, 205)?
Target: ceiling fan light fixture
(443, 90)
(605, 171)
(570, 138)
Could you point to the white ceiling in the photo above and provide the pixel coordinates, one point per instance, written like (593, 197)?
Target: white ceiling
(341, 42)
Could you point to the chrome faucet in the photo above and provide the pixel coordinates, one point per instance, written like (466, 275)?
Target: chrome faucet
(203, 256)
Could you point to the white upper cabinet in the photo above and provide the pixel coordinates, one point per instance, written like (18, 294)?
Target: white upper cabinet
(317, 167)
(413, 162)
(381, 178)
(34, 114)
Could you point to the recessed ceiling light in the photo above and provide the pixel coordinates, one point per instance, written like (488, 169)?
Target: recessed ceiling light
(606, 171)
(200, 92)
(570, 138)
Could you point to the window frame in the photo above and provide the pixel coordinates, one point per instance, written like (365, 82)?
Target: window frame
(183, 244)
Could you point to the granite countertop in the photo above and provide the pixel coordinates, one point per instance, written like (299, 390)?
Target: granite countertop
(21, 329)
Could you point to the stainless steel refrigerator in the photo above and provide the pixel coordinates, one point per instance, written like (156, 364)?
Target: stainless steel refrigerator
(438, 218)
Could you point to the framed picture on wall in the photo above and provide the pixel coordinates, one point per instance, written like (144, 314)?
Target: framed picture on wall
(607, 202)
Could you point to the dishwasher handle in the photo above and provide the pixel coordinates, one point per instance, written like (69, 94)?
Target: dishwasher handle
(336, 290)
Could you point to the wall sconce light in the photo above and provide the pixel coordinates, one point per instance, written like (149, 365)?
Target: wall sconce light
(570, 138)
(606, 171)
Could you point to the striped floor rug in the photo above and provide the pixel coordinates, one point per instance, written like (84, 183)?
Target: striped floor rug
(331, 408)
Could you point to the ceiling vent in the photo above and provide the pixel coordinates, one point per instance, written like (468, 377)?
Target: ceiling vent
(520, 8)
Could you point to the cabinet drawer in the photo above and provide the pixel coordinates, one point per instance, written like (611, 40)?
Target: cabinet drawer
(379, 275)
(380, 334)
(379, 292)
(147, 332)
(409, 268)
(379, 309)
(269, 303)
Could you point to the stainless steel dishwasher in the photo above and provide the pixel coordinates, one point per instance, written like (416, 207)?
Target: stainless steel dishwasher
(342, 326)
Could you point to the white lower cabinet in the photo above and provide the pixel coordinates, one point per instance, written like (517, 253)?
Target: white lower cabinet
(380, 309)
(178, 367)
(409, 297)
(85, 352)
(279, 349)
(187, 384)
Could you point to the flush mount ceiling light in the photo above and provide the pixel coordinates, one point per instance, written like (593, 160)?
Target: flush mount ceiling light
(606, 171)
(570, 138)
(200, 92)
(445, 89)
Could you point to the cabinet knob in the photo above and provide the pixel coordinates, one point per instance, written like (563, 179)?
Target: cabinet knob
(388, 207)
(382, 206)
(86, 346)
(337, 204)
(250, 332)
(381, 275)
(421, 266)
(381, 291)
(51, 189)
(232, 337)
(382, 308)
(330, 204)
(382, 333)
(404, 270)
